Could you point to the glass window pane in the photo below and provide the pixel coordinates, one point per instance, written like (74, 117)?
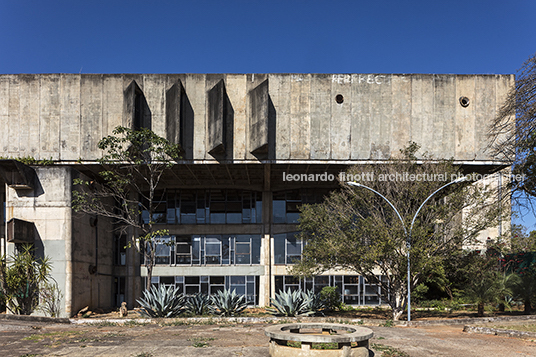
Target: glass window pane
(258, 211)
(191, 279)
(167, 280)
(215, 289)
(240, 289)
(256, 250)
(218, 280)
(278, 283)
(212, 249)
(293, 247)
(279, 213)
(190, 290)
(351, 279)
(217, 218)
(238, 279)
(234, 218)
(279, 248)
(350, 290)
(242, 248)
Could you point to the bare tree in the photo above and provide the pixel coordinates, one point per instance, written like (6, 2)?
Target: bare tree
(133, 164)
(513, 132)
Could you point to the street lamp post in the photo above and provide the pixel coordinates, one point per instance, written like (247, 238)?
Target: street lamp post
(407, 234)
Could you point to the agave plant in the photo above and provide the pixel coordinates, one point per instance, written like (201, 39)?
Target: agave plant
(316, 304)
(199, 304)
(291, 303)
(229, 303)
(162, 302)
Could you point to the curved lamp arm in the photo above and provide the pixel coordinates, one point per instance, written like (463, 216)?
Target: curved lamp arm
(461, 179)
(351, 183)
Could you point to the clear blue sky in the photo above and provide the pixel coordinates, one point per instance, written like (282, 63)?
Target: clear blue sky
(422, 36)
(486, 36)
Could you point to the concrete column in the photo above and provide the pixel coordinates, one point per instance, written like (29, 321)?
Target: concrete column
(266, 254)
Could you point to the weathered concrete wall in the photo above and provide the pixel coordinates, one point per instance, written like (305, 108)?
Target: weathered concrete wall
(48, 206)
(92, 262)
(327, 117)
(68, 239)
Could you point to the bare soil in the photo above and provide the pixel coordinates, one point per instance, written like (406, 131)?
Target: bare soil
(18, 338)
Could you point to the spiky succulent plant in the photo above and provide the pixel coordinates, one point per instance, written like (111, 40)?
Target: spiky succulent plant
(199, 304)
(162, 302)
(294, 303)
(228, 303)
(315, 303)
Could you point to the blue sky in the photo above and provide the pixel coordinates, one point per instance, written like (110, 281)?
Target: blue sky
(422, 36)
(229, 36)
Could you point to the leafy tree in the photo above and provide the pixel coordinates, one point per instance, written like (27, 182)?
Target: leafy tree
(21, 277)
(357, 230)
(133, 163)
(520, 240)
(483, 280)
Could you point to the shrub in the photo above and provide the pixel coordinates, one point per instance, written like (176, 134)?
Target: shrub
(331, 298)
(20, 279)
(162, 302)
(228, 303)
(50, 296)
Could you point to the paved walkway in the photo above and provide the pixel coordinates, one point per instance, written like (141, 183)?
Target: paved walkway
(25, 338)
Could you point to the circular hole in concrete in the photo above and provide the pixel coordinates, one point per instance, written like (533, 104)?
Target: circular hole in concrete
(339, 98)
(464, 101)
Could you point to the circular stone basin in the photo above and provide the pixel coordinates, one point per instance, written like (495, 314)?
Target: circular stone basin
(342, 340)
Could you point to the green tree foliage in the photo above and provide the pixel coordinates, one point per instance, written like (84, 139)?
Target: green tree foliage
(133, 163)
(21, 276)
(357, 230)
(484, 280)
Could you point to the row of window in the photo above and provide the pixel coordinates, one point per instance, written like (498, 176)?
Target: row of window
(354, 289)
(209, 250)
(237, 249)
(228, 206)
(243, 285)
(206, 207)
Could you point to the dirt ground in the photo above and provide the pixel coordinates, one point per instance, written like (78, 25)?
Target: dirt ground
(24, 338)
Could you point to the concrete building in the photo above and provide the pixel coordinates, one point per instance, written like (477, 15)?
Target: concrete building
(230, 208)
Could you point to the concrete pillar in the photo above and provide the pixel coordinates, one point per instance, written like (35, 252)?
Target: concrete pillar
(266, 254)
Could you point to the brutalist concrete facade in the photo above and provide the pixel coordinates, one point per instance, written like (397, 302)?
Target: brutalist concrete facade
(240, 134)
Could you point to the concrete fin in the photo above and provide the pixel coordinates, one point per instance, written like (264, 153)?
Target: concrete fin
(136, 111)
(173, 113)
(220, 122)
(258, 120)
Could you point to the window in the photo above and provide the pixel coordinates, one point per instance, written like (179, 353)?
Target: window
(287, 248)
(286, 204)
(163, 250)
(120, 249)
(119, 290)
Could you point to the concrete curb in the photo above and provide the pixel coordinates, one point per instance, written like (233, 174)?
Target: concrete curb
(498, 332)
(465, 321)
(57, 320)
(268, 319)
